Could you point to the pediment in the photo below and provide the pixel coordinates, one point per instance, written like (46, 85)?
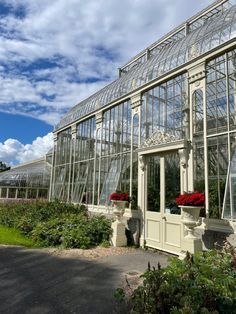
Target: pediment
(158, 138)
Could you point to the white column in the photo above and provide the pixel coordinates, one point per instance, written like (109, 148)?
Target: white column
(52, 176)
(72, 150)
(99, 120)
(197, 80)
(136, 101)
(142, 191)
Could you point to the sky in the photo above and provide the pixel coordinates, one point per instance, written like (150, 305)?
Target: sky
(53, 54)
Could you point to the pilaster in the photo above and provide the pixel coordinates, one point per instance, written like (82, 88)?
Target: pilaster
(99, 119)
(52, 176)
(136, 101)
(71, 164)
(73, 131)
(141, 196)
(197, 81)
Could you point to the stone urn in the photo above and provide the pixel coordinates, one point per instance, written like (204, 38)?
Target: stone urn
(118, 208)
(190, 217)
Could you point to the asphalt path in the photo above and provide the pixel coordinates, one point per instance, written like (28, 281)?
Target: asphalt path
(33, 281)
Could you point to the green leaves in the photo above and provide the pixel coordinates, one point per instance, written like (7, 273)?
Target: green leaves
(57, 223)
(201, 283)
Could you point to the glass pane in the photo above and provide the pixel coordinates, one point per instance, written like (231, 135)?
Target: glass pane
(116, 179)
(3, 193)
(12, 193)
(229, 207)
(42, 193)
(153, 184)
(21, 193)
(172, 183)
(217, 171)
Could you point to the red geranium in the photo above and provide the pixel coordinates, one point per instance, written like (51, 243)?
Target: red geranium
(119, 197)
(191, 199)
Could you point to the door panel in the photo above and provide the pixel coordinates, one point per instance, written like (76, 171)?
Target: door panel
(172, 219)
(163, 220)
(153, 212)
(153, 184)
(153, 230)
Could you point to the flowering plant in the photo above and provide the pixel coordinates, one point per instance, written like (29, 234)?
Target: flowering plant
(120, 197)
(191, 199)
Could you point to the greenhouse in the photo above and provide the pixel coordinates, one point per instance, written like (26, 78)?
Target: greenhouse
(166, 126)
(26, 181)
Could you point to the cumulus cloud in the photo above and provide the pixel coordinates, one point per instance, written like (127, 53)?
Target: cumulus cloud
(12, 151)
(56, 53)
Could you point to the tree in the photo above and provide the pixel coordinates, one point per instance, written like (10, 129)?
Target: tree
(3, 167)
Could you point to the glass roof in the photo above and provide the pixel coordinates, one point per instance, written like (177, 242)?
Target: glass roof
(205, 38)
(35, 174)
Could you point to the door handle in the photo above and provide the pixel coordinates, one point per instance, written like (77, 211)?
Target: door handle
(164, 218)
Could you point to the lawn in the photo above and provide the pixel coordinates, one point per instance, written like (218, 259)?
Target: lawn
(13, 236)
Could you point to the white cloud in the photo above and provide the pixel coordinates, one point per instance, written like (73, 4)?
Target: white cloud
(12, 151)
(85, 40)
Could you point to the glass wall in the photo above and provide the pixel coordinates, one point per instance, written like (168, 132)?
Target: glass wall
(163, 108)
(198, 142)
(83, 162)
(98, 161)
(115, 152)
(103, 158)
(28, 181)
(220, 95)
(62, 169)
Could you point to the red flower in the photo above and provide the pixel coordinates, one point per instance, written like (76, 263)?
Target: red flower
(191, 199)
(119, 197)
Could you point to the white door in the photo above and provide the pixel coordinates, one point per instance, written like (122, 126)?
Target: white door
(162, 217)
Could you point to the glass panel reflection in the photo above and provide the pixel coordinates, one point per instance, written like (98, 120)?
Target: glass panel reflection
(172, 183)
(153, 184)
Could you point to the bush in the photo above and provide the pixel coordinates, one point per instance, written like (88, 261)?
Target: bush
(15, 214)
(48, 233)
(202, 283)
(99, 229)
(73, 231)
(56, 223)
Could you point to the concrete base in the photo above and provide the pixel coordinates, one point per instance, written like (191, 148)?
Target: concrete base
(118, 237)
(192, 245)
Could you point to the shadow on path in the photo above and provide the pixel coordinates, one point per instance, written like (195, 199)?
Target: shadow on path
(33, 281)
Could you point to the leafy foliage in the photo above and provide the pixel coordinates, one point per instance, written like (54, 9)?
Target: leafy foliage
(4, 167)
(202, 283)
(216, 196)
(56, 223)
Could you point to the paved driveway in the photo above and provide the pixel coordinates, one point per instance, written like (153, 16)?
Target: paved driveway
(35, 282)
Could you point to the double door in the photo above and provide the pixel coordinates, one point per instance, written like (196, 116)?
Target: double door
(163, 228)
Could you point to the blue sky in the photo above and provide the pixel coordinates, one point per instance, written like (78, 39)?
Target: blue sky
(55, 53)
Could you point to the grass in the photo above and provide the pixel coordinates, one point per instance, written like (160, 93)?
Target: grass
(14, 237)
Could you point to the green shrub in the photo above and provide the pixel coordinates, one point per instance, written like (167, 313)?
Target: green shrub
(77, 238)
(73, 231)
(202, 283)
(99, 229)
(56, 223)
(48, 233)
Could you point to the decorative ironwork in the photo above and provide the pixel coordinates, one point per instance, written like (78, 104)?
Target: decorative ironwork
(158, 138)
